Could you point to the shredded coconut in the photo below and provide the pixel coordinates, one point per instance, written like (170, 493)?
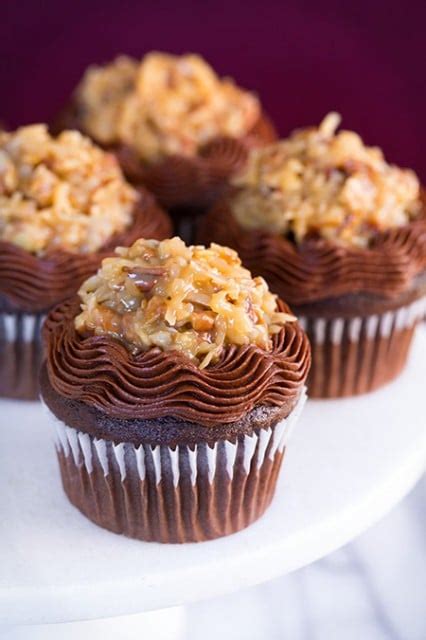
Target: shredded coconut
(60, 193)
(163, 105)
(191, 299)
(322, 183)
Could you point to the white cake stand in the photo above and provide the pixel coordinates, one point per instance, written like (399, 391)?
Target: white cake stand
(348, 463)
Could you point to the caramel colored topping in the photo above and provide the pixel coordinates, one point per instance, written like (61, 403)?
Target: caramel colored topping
(60, 194)
(191, 299)
(322, 183)
(163, 105)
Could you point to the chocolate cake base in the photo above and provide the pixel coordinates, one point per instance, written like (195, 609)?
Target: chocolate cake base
(355, 355)
(20, 354)
(173, 494)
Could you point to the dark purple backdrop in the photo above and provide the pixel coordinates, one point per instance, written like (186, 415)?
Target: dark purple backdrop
(364, 59)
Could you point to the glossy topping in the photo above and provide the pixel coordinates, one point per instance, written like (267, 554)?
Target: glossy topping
(163, 105)
(31, 283)
(101, 372)
(60, 193)
(195, 300)
(319, 183)
(318, 269)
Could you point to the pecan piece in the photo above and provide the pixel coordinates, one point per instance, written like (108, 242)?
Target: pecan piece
(145, 278)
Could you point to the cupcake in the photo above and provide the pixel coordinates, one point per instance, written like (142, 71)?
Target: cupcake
(173, 381)
(341, 235)
(64, 206)
(175, 126)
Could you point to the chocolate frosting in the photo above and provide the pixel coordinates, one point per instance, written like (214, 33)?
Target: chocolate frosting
(101, 373)
(32, 284)
(318, 269)
(178, 180)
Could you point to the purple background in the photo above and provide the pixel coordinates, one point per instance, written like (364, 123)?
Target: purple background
(364, 59)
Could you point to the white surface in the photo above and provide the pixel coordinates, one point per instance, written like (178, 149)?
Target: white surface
(348, 463)
(353, 593)
(372, 589)
(163, 624)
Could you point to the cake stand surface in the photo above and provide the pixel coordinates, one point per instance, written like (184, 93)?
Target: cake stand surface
(348, 463)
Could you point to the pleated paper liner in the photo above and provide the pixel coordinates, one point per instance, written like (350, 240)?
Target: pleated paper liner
(356, 355)
(20, 354)
(181, 494)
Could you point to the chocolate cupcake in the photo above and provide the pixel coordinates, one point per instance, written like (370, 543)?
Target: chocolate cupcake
(64, 206)
(341, 235)
(173, 382)
(175, 126)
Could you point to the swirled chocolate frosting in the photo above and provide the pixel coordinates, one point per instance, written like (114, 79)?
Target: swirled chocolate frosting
(34, 284)
(179, 180)
(101, 373)
(317, 269)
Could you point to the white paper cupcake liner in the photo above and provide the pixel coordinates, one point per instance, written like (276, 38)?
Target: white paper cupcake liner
(356, 355)
(172, 494)
(20, 354)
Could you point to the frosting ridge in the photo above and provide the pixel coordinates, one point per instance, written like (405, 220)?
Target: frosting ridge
(318, 269)
(31, 283)
(177, 180)
(102, 373)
